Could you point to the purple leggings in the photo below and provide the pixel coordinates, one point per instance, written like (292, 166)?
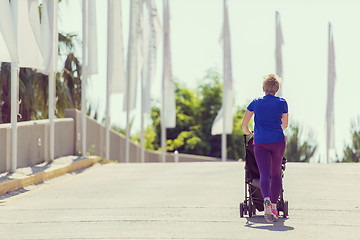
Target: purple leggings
(269, 158)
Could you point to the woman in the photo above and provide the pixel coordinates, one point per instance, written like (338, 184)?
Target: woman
(271, 119)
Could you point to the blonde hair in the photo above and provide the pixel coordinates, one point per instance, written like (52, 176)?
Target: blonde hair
(271, 83)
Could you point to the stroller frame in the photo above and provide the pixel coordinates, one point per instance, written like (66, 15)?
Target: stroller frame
(253, 196)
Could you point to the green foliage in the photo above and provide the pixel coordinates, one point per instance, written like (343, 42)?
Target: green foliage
(33, 86)
(150, 137)
(118, 129)
(352, 152)
(91, 150)
(297, 150)
(235, 140)
(123, 130)
(195, 114)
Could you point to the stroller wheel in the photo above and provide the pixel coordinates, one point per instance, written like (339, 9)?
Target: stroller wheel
(250, 208)
(241, 210)
(286, 209)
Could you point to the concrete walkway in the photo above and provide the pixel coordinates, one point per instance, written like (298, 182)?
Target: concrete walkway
(181, 201)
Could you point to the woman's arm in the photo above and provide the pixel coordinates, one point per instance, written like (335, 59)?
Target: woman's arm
(248, 115)
(285, 120)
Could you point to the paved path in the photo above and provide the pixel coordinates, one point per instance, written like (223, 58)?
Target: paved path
(182, 201)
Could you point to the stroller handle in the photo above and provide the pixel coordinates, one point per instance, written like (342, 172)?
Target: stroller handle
(244, 136)
(245, 140)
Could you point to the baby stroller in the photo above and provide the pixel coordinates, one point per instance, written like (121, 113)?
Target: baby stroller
(255, 199)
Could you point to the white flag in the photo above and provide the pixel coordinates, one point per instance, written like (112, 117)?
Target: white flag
(168, 83)
(330, 116)
(92, 67)
(34, 19)
(47, 36)
(278, 52)
(218, 125)
(28, 47)
(42, 31)
(115, 66)
(152, 38)
(132, 57)
(8, 46)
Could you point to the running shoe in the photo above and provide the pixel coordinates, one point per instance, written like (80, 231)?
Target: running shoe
(274, 211)
(269, 216)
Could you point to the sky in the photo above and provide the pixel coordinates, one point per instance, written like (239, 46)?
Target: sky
(195, 27)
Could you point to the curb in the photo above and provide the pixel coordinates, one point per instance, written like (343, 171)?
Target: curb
(16, 184)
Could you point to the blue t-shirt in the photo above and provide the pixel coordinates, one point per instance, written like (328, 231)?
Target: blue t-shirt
(268, 114)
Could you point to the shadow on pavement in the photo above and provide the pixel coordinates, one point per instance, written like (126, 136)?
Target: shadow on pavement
(5, 177)
(26, 172)
(36, 169)
(259, 222)
(11, 194)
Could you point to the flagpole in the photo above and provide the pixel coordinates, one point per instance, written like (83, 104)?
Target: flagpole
(51, 112)
(14, 113)
(107, 122)
(84, 78)
(142, 155)
(127, 93)
(223, 135)
(14, 93)
(142, 137)
(162, 115)
(14, 101)
(127, 154)
(130, 74)
(52, 82)
(279, 93)
(278, 53)
(327, 122)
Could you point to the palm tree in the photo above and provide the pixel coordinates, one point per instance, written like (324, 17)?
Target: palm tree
(5, 92)
(352, 150)
(68, 87)
(33, 86)
(297, 150)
